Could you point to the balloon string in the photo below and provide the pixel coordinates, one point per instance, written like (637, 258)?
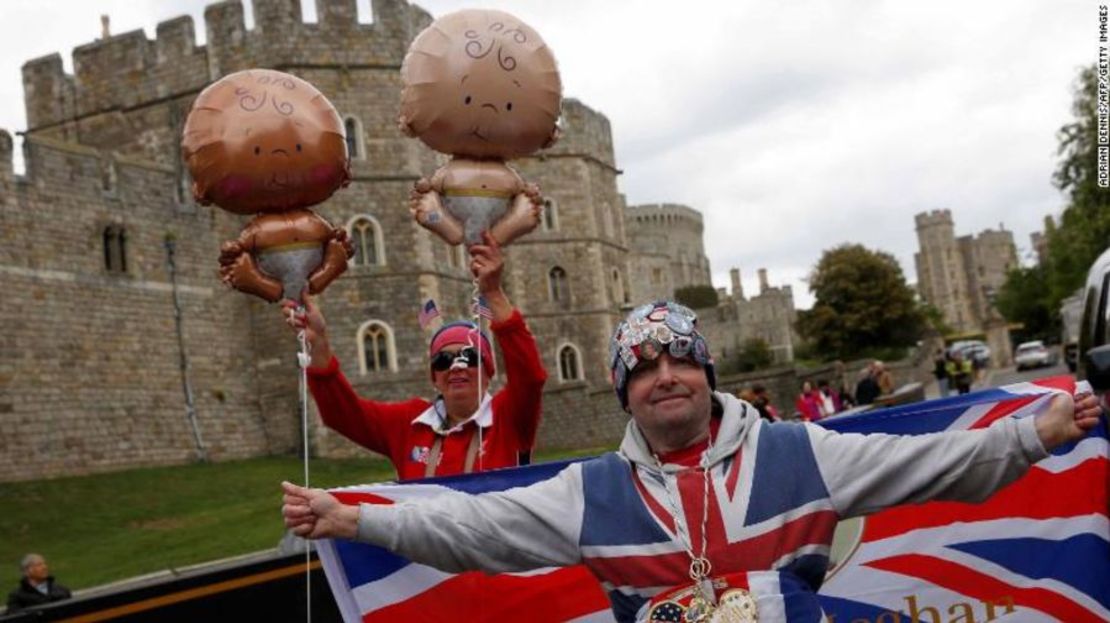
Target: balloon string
(303, 360)
(476, 308)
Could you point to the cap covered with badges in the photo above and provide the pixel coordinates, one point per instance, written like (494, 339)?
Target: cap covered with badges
(651, 330)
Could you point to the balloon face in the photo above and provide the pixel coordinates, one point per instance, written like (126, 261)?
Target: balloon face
(264, 141)
(481, 84)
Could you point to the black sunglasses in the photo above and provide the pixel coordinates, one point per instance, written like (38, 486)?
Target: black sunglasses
(443, 359)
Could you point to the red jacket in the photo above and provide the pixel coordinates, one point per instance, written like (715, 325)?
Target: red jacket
(809, 405)
(401, 430)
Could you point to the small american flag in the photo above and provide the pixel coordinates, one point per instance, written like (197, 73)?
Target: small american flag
(481, 307)
(428, 313)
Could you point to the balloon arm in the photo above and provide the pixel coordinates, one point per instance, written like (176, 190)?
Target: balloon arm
(335, 262)
(245, 243)
(244, 275)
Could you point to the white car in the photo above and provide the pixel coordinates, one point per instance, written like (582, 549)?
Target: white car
(972, 350)
(1033, 355)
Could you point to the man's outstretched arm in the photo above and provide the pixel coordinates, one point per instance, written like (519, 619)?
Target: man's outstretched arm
(515, 530)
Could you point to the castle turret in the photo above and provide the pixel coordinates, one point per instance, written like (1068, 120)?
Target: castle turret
(737, 285)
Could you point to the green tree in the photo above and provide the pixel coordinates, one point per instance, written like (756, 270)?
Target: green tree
(754, 354)
(934, 319)
(697, 297)
(862, 304)
(1083, 230)
(1023, 299)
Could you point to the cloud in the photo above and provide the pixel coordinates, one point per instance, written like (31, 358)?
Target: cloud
(793, 127)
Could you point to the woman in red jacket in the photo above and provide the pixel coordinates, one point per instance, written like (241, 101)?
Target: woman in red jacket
(808, 403)
(452, 433)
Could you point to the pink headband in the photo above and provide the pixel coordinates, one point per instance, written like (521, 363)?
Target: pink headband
(463, 334)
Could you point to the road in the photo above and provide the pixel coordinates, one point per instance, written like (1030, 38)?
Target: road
(1006, 376)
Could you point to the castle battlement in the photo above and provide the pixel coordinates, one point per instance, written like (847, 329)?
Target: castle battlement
(664, 215)
(933, 218)
(129, 70)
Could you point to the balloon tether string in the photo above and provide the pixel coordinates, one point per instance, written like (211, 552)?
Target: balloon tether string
(477, 315)
(303, 360)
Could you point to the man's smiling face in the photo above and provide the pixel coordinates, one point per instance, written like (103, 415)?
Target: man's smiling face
(669, 393)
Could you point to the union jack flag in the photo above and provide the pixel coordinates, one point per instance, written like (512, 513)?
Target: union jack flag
(1038, 550)
(373, 585)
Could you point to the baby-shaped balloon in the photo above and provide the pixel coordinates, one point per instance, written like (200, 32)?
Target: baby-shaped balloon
(481, 86)
(268, 143)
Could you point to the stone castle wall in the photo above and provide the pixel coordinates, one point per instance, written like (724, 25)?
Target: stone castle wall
(90, 377)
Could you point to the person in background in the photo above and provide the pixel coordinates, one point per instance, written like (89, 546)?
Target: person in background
(884, 378)
(867, 389)
(960, 372)
(37, 587)
(808, 404)
(940, 372)
(762, 403)
(830, 400)
(847, 400)
(458, 431)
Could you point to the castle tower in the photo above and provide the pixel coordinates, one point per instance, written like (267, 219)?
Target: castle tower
(989, 257)
(668, 252)
(941, 274)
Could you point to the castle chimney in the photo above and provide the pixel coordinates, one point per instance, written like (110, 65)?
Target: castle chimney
(763, 280)
(105, 31)
(737, 286)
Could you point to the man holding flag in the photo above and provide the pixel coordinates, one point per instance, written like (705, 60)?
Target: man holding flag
(459, 431)
(706, 510)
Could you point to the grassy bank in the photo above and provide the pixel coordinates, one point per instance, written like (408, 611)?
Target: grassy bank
(102, 528)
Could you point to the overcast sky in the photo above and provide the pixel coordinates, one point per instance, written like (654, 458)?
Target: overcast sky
(792, 126)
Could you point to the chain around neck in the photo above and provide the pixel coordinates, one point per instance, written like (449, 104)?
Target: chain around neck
(700, 567)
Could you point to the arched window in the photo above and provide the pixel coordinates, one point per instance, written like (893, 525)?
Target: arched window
(557, 285)
(366, 236)
(353, 128)
(550, 214)
(114, 239)
(570, 368)
(377, 352)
